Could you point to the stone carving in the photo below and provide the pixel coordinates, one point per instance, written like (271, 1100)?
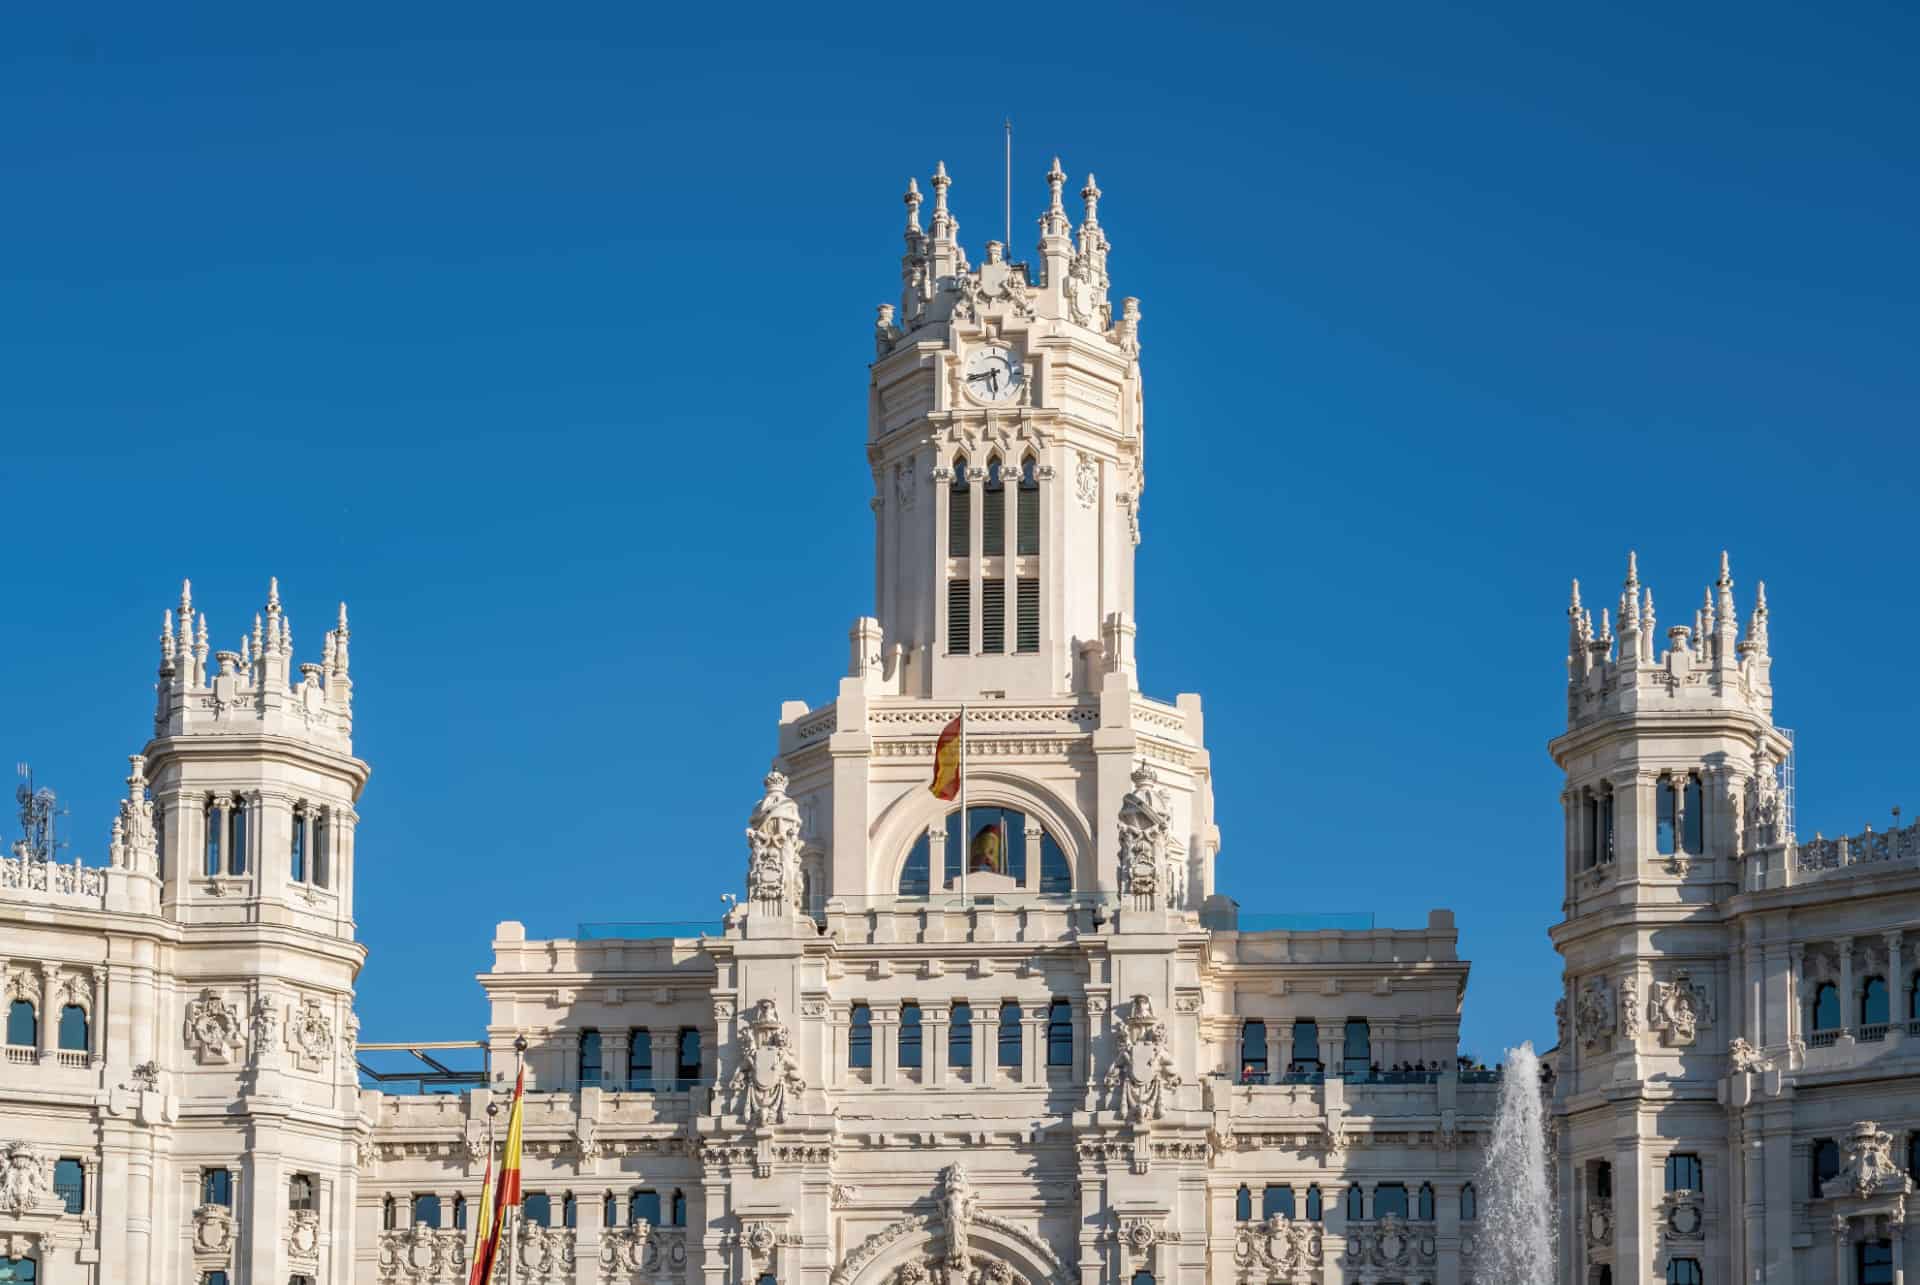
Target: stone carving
(1600, 1224)
(546, 1253)
(1679, 1009)
(624, 1250)
(768, 1071)
(956, 1211)
(1142, 1069)
(25, 1181)
(1765, 806)
(1682, 1217)
(147, 1076)
(265, 1023)
(1277, 1248)
(212, 1234)
(1560, 1020)
(476, 1142)
(1868, 1167)
(842, 1195)
(366, 1155)
(1390, 1243)
(213, 1028)
(773, 846)
(1593, 1014)
(586, 1141)
(349, 1036)
(1145, 829)
(851, 1265)
(1086, 479)
(303, 1237)
(309, 1034)
(423, 1254)
(904, 488)
(1745, 1057)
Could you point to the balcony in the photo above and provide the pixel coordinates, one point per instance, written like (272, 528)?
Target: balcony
(1873, 1032)
(1823, 1039)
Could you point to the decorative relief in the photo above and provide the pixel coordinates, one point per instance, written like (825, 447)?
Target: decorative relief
(1145, 829)
(309, 1034)
(773, 847)
(545, 1253)
(1765, 805)
(586, 1143)
(1868, 1167)
(1086, 479)
(212, 1235)
(1277, 1249)
(26, 1181)
(1593, 1013)
(265, 1022)
(213, 1028)
(768, 1070)
(1746, 1058)
(423, 1254)
(303, 1238)
(1679, 1009)
(1682, 1217)
(1391, 1244)
(1600, 1224)
(1142, 1069)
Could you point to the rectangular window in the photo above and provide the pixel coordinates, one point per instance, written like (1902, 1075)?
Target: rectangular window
(644, 1207)
(1357, 1056)
(299, 854)
(237, 839)
(70, 1184)
(1683, 1173)
(1874, 1259)
(1694, 832)
(910, 1036)
(216, 821)
(959, 514)
(960, 1037)
(1010, 1036)
(1253, 1052)
(1027, 540)
(1060, 1033)
(1390, 1198)
(688, 1071)
(1306, 1046)
(959, 617)
(426, 1211)
(993, 616)
(1606, 827)
(639, 1058)
(300, 1192)
(216, 1187)
(589, 1056)
(1276, 1200)
(537, 1209)
(1026, 626)
(1664, 815)
(860, 1038)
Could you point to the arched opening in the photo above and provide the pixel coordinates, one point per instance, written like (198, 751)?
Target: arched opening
(1356, 1204)
(1826, 1165)
(960, 1037)
(1826, 1007)
(1009, 1036)
(1424, 1208)
(1253, 1052)
(1693, 832)
(1666, 807)
(1315, 1209)
(1469, 1204)
(23, 1024)
(589, 1057)
(1875, 1008)
(860, 1038)
(73, 1033)
(1276, 1201)
(910, 1037)
(679, 1208)
(1060, 1033)
(995, 843)
(1243, 1205)
(993, 512)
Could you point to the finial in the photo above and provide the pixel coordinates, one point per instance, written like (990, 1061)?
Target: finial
(286, 635)
(259, 638)
(341, 626)
(912, 199)
(186, 601)
(1725, 577)
(1760, 598)
(246, 650)
(1606, 626)
(1633, 567)
(1573, 608)
(1646, 614)
(273, 591)
(200, 637)
(166, 634)
(1091, 195)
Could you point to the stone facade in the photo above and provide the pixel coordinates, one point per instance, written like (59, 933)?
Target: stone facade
(1739, 1066)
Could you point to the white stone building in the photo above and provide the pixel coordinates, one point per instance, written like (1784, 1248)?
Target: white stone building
(1739, 1087)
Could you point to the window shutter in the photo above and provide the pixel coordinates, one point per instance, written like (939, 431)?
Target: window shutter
(959, 617)
(959, 515)
(1027, 610)
(993, 619)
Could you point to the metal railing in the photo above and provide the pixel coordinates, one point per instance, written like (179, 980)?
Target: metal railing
(648, 930)
(438, 1077)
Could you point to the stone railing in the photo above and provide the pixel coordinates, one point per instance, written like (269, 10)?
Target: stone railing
(28, 879)
(1392, 1244)
(641, 1252)
(422, 1255)
(1819, 856)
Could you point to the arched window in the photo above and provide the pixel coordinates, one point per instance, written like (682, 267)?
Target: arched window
(1356, 1204)
(1826, 1164)
(1060, 1033)
(960, 1036)
(1424, 1209)
(687, 1072)
(237, 838)
(1603, 1181)
(1253, 1052)
(916, 879)
(1305, 1058)
(995, 843)
(993, 512)
(569, 1211)
(297, 852)
(1390, 1198)
(1665, 806)
(1469, 1204)
(1693, 835)
(322, 849)
(679, 1208)
(644, 1207)
(1027, 542)
(70, 1185)
(1874, 1006)
(589, 1056)
(536, 1207)
(960, 513)
(639, 1060)
(426, 1209)
(1357, 1054)
(1826, 1007)
(1276, 1200)
(1010, 1035)
(910, 1036)
(1243, 1205)
(23, 1024)
(73, 1029)
(1683, 1271)
(1683, 1172)
(1599, 806)
(1315, 1209)
(300, 1192)
(459, 1213)
(1142, 1277)
(610, 1211)
(215, 823)
(860, 1038)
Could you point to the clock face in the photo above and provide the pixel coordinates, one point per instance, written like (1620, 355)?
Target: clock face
(994, 374)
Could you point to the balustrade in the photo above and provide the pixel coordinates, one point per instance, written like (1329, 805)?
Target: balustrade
(1820, 856)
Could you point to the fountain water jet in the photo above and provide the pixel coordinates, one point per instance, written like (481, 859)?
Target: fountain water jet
(1516, 1212)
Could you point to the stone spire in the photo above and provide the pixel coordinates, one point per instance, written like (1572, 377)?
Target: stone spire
(945, 229)
(1726, 626)
(1630, 654)
(1757, 623)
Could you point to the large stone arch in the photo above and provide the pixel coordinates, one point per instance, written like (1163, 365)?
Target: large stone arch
(921, 1240)
(902, 822)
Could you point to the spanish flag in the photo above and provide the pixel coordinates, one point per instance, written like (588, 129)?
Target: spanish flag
(946, 762)
(485, 1222)
(506, 1196)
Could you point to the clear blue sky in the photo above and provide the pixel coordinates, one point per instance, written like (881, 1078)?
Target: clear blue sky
(541, 338)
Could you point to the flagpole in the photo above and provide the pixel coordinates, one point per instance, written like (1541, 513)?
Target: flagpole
(513, 1247)
(965, 855)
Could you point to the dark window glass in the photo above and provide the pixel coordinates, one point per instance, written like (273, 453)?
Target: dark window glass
(610, 1211)
(299, 1280)
(537, 1208)
(644, 1207)
(1060, 1033)
(639, 1060)
(216, 1187)
(1873, 1002)
(1357, 1053)
(1826, 1007)
(70, 1184)
(960, 1037)
(1027, 541)
(322, 841)
(237, 839)
(993, 514)
(1306, 1045)
(959, 616)
(1390, 1198)
(1253, 1052)
(1603, 1181)
(1424, 1209)
(569, 1211)
(73, 1028)
(1243, 1205)
(993, 616)
(589, 1056)
(1142, 1277)
(688, 1070)
(297, 864)
(206, 1278)
(1356, 1204)
(426, 1209)
(1683, 1271)
(1826, 1165)
(860, 1038)
(916, 877)
(300, 1192)
(389, 1214)
(1873, 1260)
(960, 514)
(1315, 1210)
(1606, 825)
(767, 1278)
(1913, 1155)
(1055, 876)
(1469, 1204)
(1693, 836)
(1276, 1200)
(679, 1208)
(215, 819)
(23, 1024)
(1683, 1172)
(997, 844)
(1010, 1035)
(459, 1213)
(910, 1036)
(1663, 815)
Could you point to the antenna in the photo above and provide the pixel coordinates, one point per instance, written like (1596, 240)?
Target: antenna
(38, 813)
(1009, 187)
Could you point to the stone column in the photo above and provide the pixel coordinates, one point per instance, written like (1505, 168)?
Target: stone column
(986, 1044)
(1083, 1043)
(1842, 1230)
(1896, 1014)
(590, 1220)
(1447, 1232)
(1897, 1227)
(613, 1060)
(1847, 1001)
(1033, 1040)
(666, 1057)
(933, 1045)
(886, 1046)
(49, 1012)
(1796, 1001)
(1631, 1256)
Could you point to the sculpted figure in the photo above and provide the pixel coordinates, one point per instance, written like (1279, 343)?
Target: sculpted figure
(956, 1210)
(773, 848)
(768, 1069)
(1142, 1069)
(1145, 826)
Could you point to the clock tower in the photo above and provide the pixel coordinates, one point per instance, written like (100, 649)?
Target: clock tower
(1005, 433)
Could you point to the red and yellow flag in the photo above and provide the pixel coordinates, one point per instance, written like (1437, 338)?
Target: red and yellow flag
(946, 762)
(484, 1223)
(506, 1195)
